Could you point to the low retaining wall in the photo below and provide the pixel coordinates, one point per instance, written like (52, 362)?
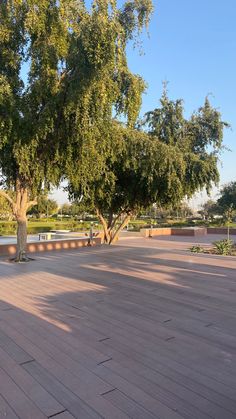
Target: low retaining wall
(48, 246)
(188, 231)
(150, 232)
(220, 230)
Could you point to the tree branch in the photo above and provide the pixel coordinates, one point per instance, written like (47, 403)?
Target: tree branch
(123, 224)
(32, 203)
(7, 197)
(104, 224)
(115, 220)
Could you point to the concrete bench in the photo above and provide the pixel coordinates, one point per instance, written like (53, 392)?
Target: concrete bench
(46, 236)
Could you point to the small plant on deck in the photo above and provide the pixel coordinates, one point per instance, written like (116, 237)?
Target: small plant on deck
(196, 249)
(224, 247)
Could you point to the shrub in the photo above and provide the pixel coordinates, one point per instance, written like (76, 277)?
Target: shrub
(196, 249)
(224, 247)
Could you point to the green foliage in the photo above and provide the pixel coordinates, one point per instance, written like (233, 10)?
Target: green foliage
(196, 249)
(209, 209)
(228, 197)
(5, 209)
(39, 226)
(7, 228)
(76, 57)
(44, 207)
(224, 247)
(198, 138)
(162, 164)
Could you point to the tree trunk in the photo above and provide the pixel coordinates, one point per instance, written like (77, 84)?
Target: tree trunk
(110, 234)
(114, 237)
(104, 226)
(21, 238)
(19, 209)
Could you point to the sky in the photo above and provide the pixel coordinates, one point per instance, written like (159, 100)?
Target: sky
(192, 45)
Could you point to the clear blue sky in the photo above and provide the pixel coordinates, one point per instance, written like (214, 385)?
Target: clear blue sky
(192, 44)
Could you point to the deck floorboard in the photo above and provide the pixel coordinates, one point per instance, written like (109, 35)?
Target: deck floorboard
(141, 330)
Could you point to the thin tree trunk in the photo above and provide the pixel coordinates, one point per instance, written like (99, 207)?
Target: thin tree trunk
(104, 225)
(21, 219)
(21, 238)
(108, 227)
(124, 223)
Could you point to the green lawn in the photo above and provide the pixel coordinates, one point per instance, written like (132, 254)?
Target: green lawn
(36, 226)
(39, 226)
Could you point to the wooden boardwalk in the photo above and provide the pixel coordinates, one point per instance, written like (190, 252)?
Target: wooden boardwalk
(139, 330)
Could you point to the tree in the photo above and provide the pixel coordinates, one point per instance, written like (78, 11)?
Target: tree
(33, 34)
(228, 197)
(79, 209)
(44, 207)
(209, 209)
(171, 160)
(66, 209)
(227, 204)
(56, 117)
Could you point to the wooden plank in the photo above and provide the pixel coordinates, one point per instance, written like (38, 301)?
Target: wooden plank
(188, 403)
(36, 393)
(164, 317)
(17, 399)
(70, 401)
(5, 410)
(64, 415)
(13, 350)
(129, 406)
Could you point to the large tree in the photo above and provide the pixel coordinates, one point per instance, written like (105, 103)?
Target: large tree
(55, 117)
(165, 160)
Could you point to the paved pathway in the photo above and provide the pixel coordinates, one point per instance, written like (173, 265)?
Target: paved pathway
(142, 330)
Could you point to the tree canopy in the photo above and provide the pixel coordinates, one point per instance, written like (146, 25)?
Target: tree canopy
(163, 160)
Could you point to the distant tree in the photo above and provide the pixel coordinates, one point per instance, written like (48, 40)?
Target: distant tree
(44, 207)
(66, 209)
(227, 197)
(228, 217)
(209, 209)
(182, 209)
(79, 209)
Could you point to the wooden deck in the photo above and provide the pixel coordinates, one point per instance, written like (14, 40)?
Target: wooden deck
(139, 330)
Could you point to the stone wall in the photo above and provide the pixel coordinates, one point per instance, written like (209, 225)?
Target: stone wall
(220, 230)
(151, 232)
